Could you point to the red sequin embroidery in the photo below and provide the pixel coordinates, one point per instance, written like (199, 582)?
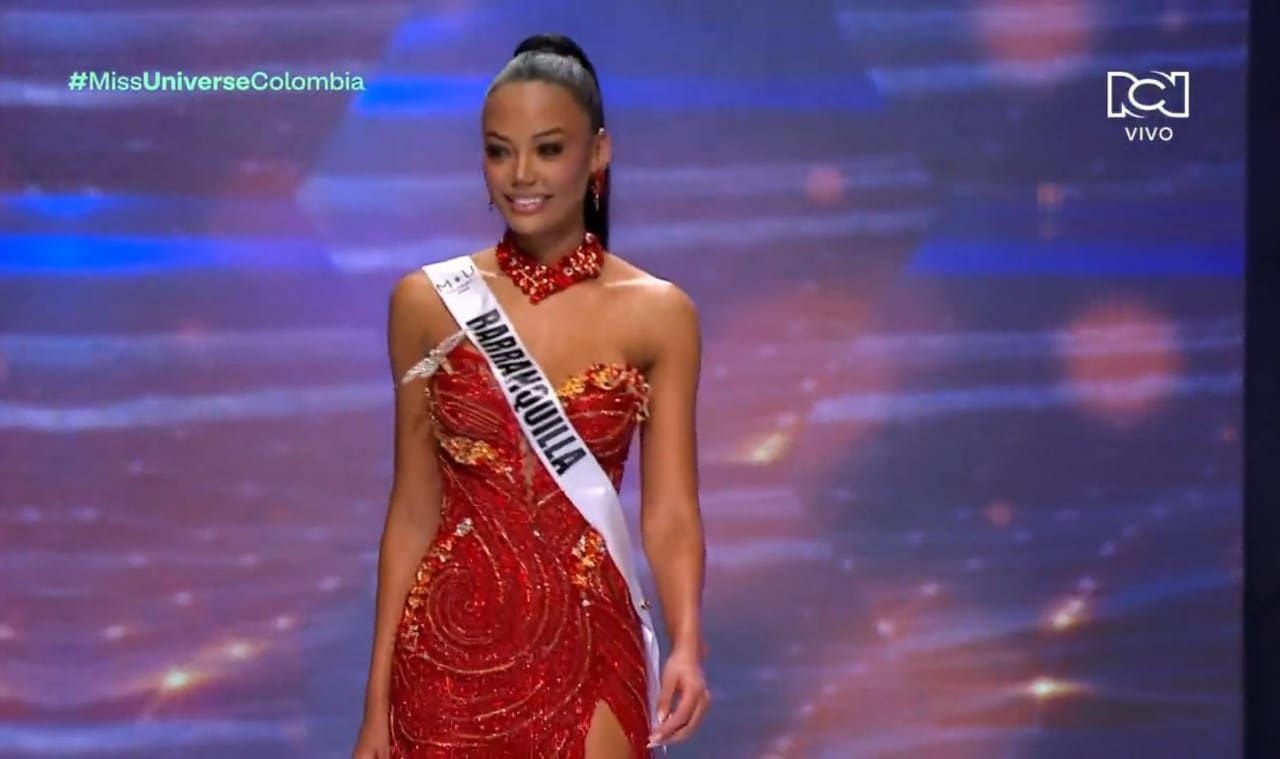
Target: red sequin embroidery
(518, 621)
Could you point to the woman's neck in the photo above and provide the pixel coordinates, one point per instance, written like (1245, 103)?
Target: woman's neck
(551, 246)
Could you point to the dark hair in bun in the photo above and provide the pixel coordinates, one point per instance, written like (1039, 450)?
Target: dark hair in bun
(556, 59)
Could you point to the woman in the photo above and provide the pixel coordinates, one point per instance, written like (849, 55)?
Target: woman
(508, 623)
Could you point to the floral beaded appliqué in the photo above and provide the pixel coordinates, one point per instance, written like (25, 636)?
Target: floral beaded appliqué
(465, 450)
(443, 549)
(440, 553)
(588, 554)
(608, 376)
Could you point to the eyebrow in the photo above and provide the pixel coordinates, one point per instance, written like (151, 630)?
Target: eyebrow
(544, 133)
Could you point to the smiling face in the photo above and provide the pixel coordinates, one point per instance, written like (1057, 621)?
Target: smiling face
(539, 155)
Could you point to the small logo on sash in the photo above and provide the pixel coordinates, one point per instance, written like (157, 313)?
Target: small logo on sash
(456, 282)
(533, 398)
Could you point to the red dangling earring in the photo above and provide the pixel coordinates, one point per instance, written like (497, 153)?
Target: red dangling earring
(597, 186)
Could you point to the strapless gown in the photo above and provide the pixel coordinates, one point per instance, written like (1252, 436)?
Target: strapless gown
(518, 621)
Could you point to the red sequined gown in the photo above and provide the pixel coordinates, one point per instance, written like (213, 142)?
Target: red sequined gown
(518, 621)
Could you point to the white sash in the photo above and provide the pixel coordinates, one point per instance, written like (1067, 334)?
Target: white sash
(547, 428)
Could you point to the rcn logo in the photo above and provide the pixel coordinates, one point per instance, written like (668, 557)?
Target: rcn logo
(1164, 93)
(1131, 97)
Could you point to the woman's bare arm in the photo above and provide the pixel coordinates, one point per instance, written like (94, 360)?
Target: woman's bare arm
(671, 523)
(671, 520)
(413, 509)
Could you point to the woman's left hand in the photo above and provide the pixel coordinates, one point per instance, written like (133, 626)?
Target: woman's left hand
(681, 675)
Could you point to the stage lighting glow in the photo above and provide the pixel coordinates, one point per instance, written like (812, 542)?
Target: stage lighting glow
(825, 185)
(1045, 688)
(177, 679)
(1060, 46)
(1070, 614)
(1050, 196)
(1121, 361)
(999, 513)
(240, 649)
(768, 449)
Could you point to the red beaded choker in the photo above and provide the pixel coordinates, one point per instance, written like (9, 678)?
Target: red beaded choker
(538, 280)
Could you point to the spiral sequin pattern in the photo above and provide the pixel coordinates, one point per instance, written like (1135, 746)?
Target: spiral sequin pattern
(518, 621)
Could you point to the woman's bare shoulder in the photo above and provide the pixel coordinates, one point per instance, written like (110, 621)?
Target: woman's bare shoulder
(415, 304)
(648, 290)
(657, 309)
(629, 277)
